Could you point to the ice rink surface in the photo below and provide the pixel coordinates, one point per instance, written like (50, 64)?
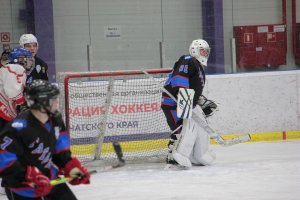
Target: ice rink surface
(254, 171)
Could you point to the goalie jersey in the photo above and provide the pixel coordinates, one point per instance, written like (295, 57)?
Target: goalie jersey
(26, 141)
(187, 73)
(12, 80)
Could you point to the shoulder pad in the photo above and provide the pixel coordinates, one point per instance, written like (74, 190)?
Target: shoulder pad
(19, 124)
(15, 69)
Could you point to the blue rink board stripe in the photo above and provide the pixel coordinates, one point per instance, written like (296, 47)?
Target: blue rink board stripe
(120, 138)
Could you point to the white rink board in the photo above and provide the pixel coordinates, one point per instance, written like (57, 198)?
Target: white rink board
(255, 102)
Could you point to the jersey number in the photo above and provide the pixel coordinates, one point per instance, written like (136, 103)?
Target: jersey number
(183, 68)
(7, 142)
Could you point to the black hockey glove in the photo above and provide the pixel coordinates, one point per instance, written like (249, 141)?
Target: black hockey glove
(208, 106)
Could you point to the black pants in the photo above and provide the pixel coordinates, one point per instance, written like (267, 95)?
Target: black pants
(173, 121)
(59, 192)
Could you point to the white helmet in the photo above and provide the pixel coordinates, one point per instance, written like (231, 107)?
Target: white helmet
(200, 50)
(28, 38)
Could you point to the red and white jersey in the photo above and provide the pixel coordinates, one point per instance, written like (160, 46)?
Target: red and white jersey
(12, 81)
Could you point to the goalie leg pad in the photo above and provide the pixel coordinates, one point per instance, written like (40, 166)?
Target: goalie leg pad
(201, 154)
(183, 147)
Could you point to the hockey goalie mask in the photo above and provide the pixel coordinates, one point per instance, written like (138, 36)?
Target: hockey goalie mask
(42, 95)
(22, 57)
(200, 50)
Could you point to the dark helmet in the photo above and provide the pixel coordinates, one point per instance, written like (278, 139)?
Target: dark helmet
(39, 94)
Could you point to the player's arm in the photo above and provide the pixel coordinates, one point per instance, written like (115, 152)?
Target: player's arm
(180, 78)
(62, 152)
(14, 78)
(68, 165)
(10, 148)
(14, 172)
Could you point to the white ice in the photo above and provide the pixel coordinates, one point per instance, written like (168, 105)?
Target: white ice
(254, 171)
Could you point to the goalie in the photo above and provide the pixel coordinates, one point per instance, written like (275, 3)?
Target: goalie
(189, 143)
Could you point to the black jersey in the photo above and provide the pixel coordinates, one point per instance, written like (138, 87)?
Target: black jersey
(26, 141)
(187, 73)
(39, 71)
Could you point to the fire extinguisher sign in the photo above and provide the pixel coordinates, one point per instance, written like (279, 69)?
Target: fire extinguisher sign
(248, 38)
(5, 37)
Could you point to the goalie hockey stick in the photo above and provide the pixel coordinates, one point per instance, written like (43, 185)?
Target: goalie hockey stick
(203, 123)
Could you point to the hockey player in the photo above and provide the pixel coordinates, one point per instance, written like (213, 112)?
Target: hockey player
(40, 68)
(189, 143)
(12, 81)
(4, 58)
(35, 148)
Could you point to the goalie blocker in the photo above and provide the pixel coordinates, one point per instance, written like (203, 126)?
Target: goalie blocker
(185, 103)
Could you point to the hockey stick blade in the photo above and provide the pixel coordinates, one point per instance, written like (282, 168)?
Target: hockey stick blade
(66, 179)
(237, 140)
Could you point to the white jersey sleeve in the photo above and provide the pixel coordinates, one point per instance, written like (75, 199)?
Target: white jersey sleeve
(13, 81)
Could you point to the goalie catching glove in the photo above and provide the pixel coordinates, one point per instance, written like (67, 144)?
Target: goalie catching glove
(208, 106)
(77, 172)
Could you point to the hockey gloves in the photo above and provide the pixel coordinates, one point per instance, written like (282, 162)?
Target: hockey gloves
(37, 180)
(208, 106)
(75, 170)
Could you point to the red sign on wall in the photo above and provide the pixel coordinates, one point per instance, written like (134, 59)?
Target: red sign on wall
(248, 37)
(5, 37)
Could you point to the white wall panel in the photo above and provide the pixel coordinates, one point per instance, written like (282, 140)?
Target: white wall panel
(256, 12)
(182, 23)
(71, 35)
(9, 20)
(140, 32)
(143, 24)
(298, 98)
(140, 23)
(258, 102)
